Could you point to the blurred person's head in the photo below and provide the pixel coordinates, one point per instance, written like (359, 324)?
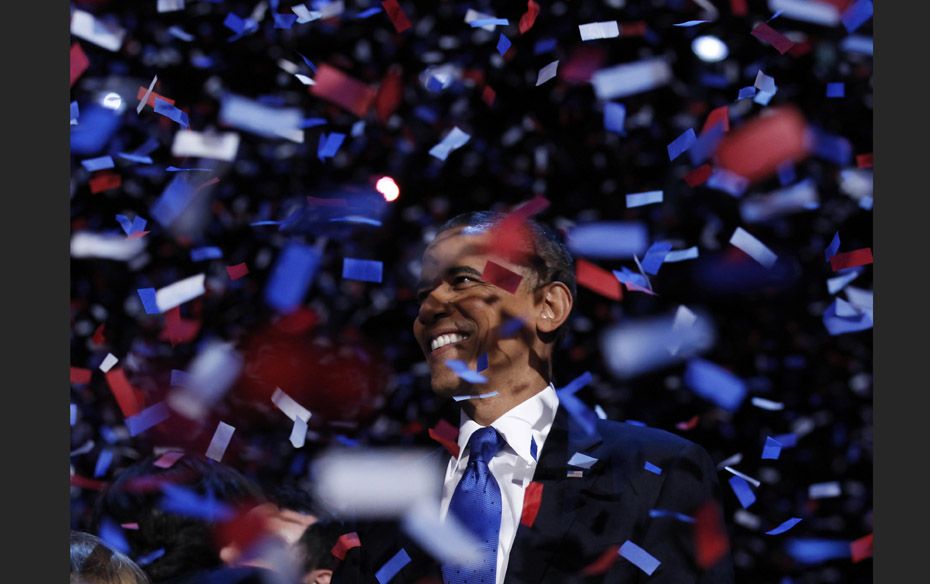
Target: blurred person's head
(315, 551)
(186, 539)
(294, 511)
(93, 562)
(465, 312)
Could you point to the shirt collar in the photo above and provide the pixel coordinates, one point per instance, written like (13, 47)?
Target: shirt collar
(526, 422)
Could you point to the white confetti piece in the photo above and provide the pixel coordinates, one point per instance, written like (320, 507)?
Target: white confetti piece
(599, 30)
(757, 250)
(220, 441)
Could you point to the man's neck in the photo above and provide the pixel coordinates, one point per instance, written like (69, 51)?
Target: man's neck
(485, 411)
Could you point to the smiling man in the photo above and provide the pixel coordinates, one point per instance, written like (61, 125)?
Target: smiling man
(552, 493)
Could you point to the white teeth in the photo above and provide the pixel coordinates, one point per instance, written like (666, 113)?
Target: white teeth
(443, 340)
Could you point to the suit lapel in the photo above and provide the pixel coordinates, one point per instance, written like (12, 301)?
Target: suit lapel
(535, 547)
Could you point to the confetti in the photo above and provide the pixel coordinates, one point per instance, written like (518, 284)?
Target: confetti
(599, 30)
(652, 468)
(218, 146)
(340, 89)
(822, 13)
(615, 117)
(861, 548)
(756, 149)
(645, 198)
(503, 44)
(289, 406)
(857, 14)
(361, 270)
(183, 501)
(772, 449)
(630, 78)
(168, 459)
(147, 418)
(108, 362)
(770, 36)
(104, 34)
(597, 279)
(785, 526)
(164, 108)
(754, 248)
(501, 277)
(715, 384)
(581, 460)
(237, 271)
(824, 490)
(836, 90)
(346, 542)
(454, 140)
(766, 404)
(742, 491)
(397, 15)
(529, 17)
(299, 433)
(681, 144)
(390, 569)
(124, 392)
(220, 441)
(608, 239)
(260, 119)
(291, 277)
(681, 255)
(802, 196)
(810, 551)
(79, 63)
(201, 254)
(95, 164)
(851, 259)
(654, 513)
(639, 557)
(447, 435)
(546, 73)
(461, 369)
(85, 244)
(532, 499)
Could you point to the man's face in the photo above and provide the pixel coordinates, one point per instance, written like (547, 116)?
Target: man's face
(458, 305)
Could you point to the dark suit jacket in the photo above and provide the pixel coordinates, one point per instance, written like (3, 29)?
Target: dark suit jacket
(583, 520)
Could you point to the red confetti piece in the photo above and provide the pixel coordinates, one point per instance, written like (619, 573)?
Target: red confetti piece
(246, 528)
(140, 93)
(99, 337)
(720, 115)
(511, 238)
(603, 562)
(132, 526)
(390, 94)
(447, 435)
(86, 483)
(739, 7)
(501, 276)
(297, 322)
(767, 34)
(488, 95)
(335, 86)
(758, 148)
(178, 329)
(532, 499)
(699, 175)
(105, 181)
(710, 536)
(688, 424)
(598, 280)
(633, 29)
(345, 542)
(237, 271)
(532, 207)
(397, 15)
(80, 376)
(801, 49)
(861, 548)
(79, 63)
(124, 392)
(137, 234)
(168, 459)
(864, 160)
(529, 17)
(851, 259)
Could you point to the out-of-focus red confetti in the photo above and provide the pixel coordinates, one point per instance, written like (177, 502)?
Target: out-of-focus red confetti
(501, 277)
(756, 150)
(86, 483)
(447, 435)
(767, 34)
(168, 459)
(124, 392)
(699, 175)
(178, 329)
(637, 28)
(390, 94)
(345, 542)
(79, 63)
(237, 271)
(529, 17)
(851, 259)
(688, 424)
(131, 526)
(488, 95)
(397, 15)
(532, 499)
(720, 115)
(99, 337)
(598, 279)
(335, 86)
(739, 7)
(864, 160)
(80, 376)
(140, 93)
(298, 321)
(861, 548)
(104, 181)
(710, 536)
(603, 562)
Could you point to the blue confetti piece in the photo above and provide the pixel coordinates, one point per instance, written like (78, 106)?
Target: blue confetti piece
(75, 113)
(147, 296)
(503, 43)
(838, 325)
(746, 92)
(291, 276)
(832, 248)
(510, 328)
(100, 163)
(173, 200)
(635, 423)
(362, 270)
(149, 558)
(147, 418)
(489, 22)
(183, 501)
(786, 174)
(575, 384)
(787, 440)
(74, 414)
(460, 368)
(831, 147)
(615, 117)
(181, 34)
(630, 277)
(715, 80)
(200, 254)
(544, 46)
(240, 26)
(641, 199)
(706, 144)
(652, 468)
(582, 414)
(368, 13)
(856, 43)
(728, 182)
(308, 62)
(581, 460)
(639, 557)
(714, 383)
(743, 491)
(772, 449)
(654, 513)
(609, 239)
(681, 144)
(329, 145)
(146, 148)
(482, 361)
(179, 378)
(433, 84)
(113, 536)
(836, 90)
(178, 169)
(655, 256)
(390, 569)
(346, 441)
(141, 159)
(534, 451)
(426, 113)
(690, 23)
(98, 124)
(284, 21)
(104, 459)
(164, 108)
(129, 227)
(312, 122)
(815, 551)
(857, 15)
(784, 526)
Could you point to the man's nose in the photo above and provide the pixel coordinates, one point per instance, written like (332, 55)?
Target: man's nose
(435, 306)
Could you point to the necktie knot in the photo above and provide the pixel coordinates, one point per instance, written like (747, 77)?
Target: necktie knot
(484, 444)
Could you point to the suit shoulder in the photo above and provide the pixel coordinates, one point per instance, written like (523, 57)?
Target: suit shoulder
(649, 441)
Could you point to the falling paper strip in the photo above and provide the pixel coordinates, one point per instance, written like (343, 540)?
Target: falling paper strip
(641, 199)
(449, 541)
(785, 526)
(824, 490)
(631, 78)
(180, 292)
(289, 406)
(147, 418)
(299, 433)
(754, 482)
(452, 141)
(772, 449)
(390, 569)
(459, 398)
(743, 491)
(188, 143)
(599, 30)
(652, 468)
(681, 255)
(220, 441)
(361, 270)
(85, 244)
(757, 250)
(103, 34)
(108, 362)
(547, 73)
(639, 557)
(581, 460)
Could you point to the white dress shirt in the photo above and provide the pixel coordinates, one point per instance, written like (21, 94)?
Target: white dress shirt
(513, 466)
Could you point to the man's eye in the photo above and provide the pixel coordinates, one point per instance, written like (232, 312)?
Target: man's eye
(462, 280)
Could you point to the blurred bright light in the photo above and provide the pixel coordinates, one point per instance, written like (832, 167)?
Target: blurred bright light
(388, 188)
(112, 101)
(709, 49)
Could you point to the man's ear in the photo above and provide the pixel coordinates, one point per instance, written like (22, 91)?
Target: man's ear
(322, 576)
(555, 307)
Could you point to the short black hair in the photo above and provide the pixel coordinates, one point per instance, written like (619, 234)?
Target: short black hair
(188, 543)
(93, 562)
(316, 544)
(551, 261)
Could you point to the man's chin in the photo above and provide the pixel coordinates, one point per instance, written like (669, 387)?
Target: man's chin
(449, 386)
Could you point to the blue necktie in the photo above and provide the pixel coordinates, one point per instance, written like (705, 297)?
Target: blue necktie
(476, 503)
